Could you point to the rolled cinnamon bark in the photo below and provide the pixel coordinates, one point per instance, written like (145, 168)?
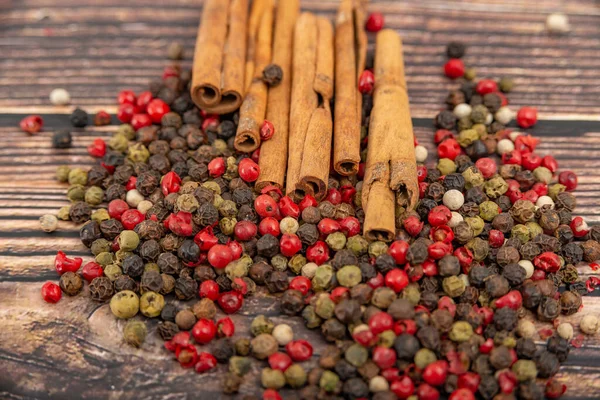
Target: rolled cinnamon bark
(316, 156)
(254, 106)
(218, 70)
(390, 156)
(304, 99)
(350, 55)
(258, 7)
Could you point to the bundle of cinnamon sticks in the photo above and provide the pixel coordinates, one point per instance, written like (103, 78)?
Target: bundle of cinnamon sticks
(233, 48)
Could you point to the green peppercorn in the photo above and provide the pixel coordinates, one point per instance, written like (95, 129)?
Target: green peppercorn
(187, 203)
(311, 318)
(125, 304)
(488, 210)
(473, 177)
(506, 84)
(134, 333)
(127, 131)
(151, 304)
(495, 187)
(554, 190)
(446, 166)
(411, 293)
(453, 286)
(113, 271)
(138, 153)
(464, 123)
(470, 74)
(76, 193)
(323, 278)
(520, 232)
(377, 248)
(461, 331)
(295, 376)
(467, 137)
(239, 365)
(525, 370)
(100, 215)
(356, 355)
(479, 114)
(296, 263)
(329, 381)
(242, 347)
(424, 357)
(261, 324)
(357, 244)
(279, 262)
(324, 306)
(534, 229)
(386, 339)
(128, 240)
(238, 268)
(77, 176)
(263, 346)
(62, 173)
(476, 224)
(118, 143)
(383, 297)
(231, 383)
(105, 258)
(349, 276)
(99, 246)
(336, 241)
(542, 174)
(64, 213)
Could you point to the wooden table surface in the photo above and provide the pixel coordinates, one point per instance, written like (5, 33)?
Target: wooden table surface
(95, 48)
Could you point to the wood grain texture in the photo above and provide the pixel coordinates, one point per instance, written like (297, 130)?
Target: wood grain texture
(73, 348)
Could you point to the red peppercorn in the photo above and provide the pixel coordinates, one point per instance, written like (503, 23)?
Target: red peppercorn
(413, 225)
(384, 357)
(271, 394)
(206, 362)
(248, 170)
(91, 270)
(547, 262)
(334, 196)
(405, 326)
(380, 322)
(225, 327)
(540, 188)
(554, 389)
(130, 185)
(64, 264)
(366, 82)
(437, 250)
(421, 173)
(299, 350)
(230, 302)
(269, 225)
(403, 387)
(439, 215)
(126, 97)
(486, 346)
(398, 250)
(396, 279)
(179, 223)
(579, 227)
(538, 275)
(180, 339)
(143, 100)
(289, 244)
(348, 192)
(446, 303)
(504, 99)
(265, 206)
(442, 233)
(376, 282)
(126, 112)
(245, 230)
(427, 392)
(496, 238)
(302, 284)
(462, 394)
(486, 86)
(236, 249)
(375, 22)
(550, 163)
(51, 292)
(327, 226)
(441, 135)
(318, 252)
(349, 226)
(530, 161)
(280, 361)
(219, 256)
(512, 299)
(97, 148)
(31, 124)
(507, 380)
(288, 208)
(131, 218)
(170, 71)
(307, 201)
(526, 117)
(156, 109)
(187, 355)
(255, 155)
(210, 123)
(204, 331)
(449, 148)
(365, 338)
(267, 130)
(569, 179)
(487, 167)
(139, 121)
(209, 289)
(465, 258)
(216, 167)
(436, 372)
(429, 268)
(423, 186)
(205, 239)
(454, 68)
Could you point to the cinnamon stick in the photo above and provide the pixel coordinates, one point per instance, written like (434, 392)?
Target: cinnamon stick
(314, 171)
(274, 152)
(258, 7)
(304, 99)
(218, 70)
(253, 109)
(391, 164)
(350, 53)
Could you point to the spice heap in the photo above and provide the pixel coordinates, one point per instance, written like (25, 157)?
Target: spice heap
(446, 307)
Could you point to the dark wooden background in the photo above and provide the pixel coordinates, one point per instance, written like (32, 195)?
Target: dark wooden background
(95, 48)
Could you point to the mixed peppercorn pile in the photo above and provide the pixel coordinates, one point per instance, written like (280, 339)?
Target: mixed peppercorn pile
(447, 307)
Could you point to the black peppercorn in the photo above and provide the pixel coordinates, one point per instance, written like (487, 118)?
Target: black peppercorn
(189, 251)
(272, 75)
(61, 140)
(445, 120)
(167, 330)
(547, 364)
(455, 50)
(223, 350)
(497, 286)
(529, 390)
(79, 118)
(151, 281)
(345, 370)
(125, 282)
(505, 319)
(186, 288)
(292, 302)
(80, 212)
(347, 311)
(101, 289)
(548, 309)
(267, 245)
(355, 388)
(168, 312)
(276, 281)
(429, 337)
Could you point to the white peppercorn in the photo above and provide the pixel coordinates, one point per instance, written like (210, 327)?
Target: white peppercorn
(589, 324)
(453, 199)
(144, 205)
(455, 220)
(134, 198)
(309, 270)
(378, 384)
(544, 200)
(528, 267)
(565, 330)
(489, 118)
(504, 115)
(557, 23)
(283, 333)
(60, 97)
(48, 222)
(514, 135)
(525, 328)
(462, 110)
(421, 153)
(288, 225)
